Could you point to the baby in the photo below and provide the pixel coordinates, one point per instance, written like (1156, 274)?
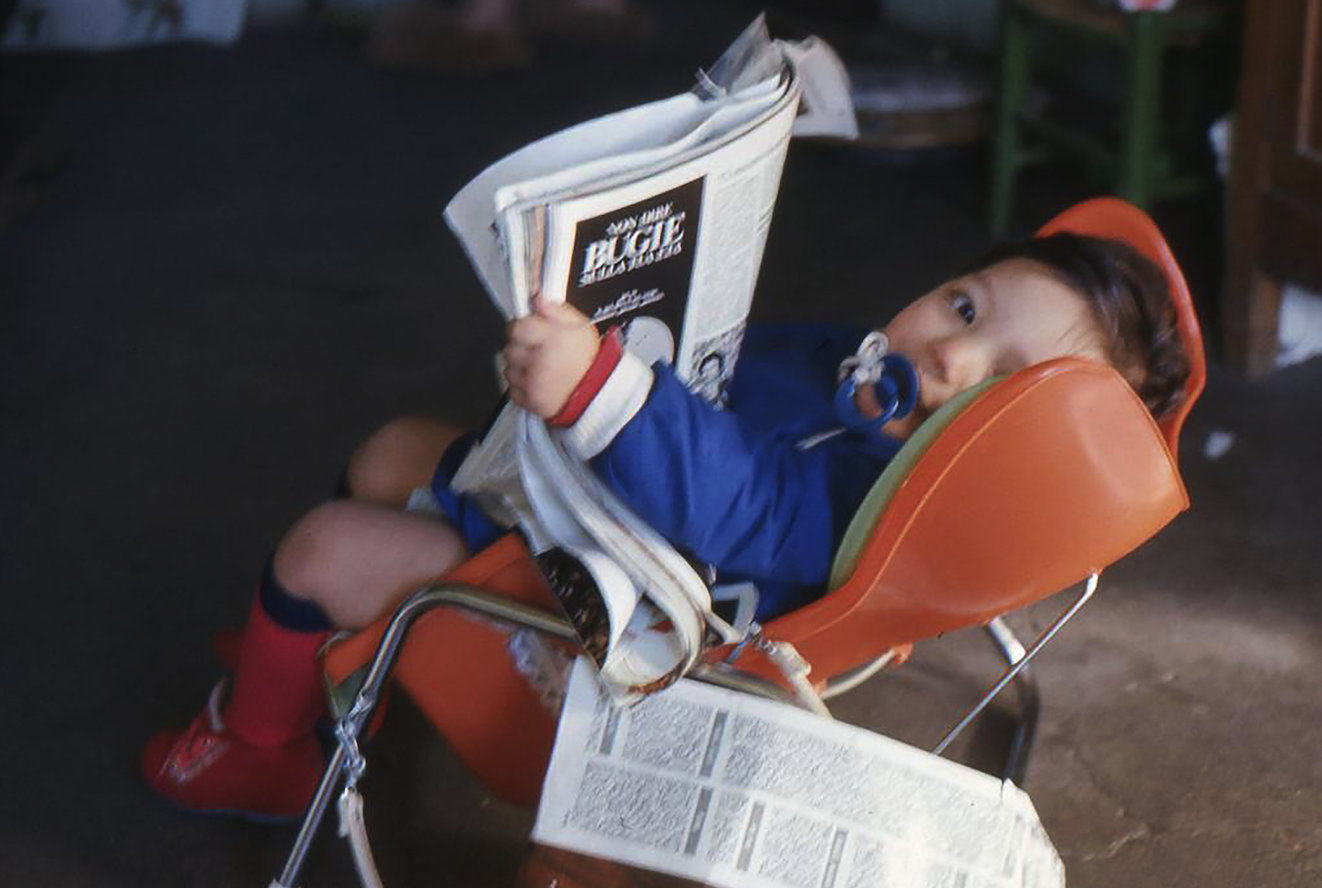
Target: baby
(742, 492)
(738, 489)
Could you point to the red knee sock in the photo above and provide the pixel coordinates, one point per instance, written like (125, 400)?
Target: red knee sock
(277, 693)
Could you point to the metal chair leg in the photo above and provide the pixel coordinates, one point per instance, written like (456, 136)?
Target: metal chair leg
(1030, 703)
(1018, 659)
(347, 763)
(1007, 142)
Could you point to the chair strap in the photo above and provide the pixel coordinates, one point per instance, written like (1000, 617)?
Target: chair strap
(354, 828)
(795, 669)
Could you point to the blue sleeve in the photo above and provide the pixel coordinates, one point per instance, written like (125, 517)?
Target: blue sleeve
(730, 495)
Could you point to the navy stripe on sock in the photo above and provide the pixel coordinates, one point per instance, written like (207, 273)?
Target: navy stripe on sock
(295, 614)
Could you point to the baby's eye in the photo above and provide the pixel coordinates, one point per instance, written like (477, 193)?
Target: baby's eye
(962, 304)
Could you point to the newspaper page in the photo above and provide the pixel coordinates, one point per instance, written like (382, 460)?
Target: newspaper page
(734, 790)
(472, 211)
(661, 232)
(638, 138)
(674, 257)
(633, 253)
(624, 248)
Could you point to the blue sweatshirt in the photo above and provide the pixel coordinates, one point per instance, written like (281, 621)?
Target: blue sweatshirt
(732, 487)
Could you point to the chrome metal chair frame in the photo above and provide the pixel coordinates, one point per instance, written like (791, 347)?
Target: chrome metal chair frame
(347, 763)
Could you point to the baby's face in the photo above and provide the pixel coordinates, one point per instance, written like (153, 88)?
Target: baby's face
(993, 322)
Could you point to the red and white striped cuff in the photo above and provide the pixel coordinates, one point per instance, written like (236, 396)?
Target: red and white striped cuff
(612, 391)
(608, 356)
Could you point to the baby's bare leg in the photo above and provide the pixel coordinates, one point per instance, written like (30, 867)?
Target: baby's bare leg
(398, 457)
(357, 559)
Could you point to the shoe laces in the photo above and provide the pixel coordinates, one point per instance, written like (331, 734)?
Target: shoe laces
(201, 743)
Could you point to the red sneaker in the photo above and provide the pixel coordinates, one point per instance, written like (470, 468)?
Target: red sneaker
(205, 768)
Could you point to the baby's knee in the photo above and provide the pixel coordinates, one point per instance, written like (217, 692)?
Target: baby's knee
(307, 552)
(398, 457)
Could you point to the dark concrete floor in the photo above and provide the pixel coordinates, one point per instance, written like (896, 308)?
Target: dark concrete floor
(236, 268)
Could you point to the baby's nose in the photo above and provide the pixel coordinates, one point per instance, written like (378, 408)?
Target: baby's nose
(957, 364)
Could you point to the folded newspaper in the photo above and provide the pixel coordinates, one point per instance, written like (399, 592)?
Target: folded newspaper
(734, 790)
(653, 219)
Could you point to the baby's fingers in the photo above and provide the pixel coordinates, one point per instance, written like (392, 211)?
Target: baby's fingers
(530, 331)
(558, 312)
(518, 361)
(519, 395)
(518, 352)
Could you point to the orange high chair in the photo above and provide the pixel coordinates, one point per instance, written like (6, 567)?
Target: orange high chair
(1038, 481)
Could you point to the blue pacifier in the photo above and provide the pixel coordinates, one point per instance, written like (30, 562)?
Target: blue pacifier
(892, 377)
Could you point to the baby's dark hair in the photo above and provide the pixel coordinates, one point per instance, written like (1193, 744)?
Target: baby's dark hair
(1128, 296)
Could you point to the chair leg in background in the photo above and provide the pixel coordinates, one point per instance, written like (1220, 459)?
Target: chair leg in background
(1007, 150)
(1141, 113)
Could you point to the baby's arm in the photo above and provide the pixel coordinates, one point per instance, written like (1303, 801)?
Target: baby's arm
(709, 482)
(701, 477)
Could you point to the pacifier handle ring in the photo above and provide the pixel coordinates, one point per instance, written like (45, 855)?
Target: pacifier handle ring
(847, 410)
(896, 397)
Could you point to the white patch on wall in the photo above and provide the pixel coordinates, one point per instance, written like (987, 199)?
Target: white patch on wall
(1300, 325)
(1145, 5)
(121, 24)
(1218, 443)
(1218, 137)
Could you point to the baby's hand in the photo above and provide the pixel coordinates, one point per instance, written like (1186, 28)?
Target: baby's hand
(546, 354)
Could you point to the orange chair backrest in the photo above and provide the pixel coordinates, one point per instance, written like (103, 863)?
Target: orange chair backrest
(1116, 219)
(1052, 474)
